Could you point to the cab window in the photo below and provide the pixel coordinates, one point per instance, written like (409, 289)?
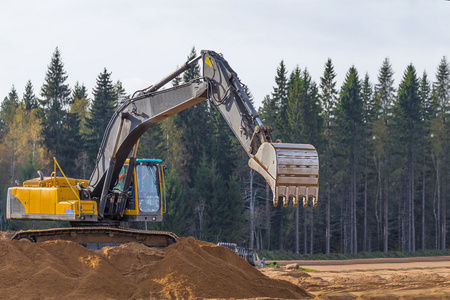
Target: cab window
(148, 188)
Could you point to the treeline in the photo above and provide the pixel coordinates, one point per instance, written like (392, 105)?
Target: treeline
(383, 156)
(382, 148)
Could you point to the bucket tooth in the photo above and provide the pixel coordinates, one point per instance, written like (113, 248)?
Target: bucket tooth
(305, 201)
(314, 200)
(295, 197)
(286, 197)
(275, 199)
(292, 167)
(306, 198)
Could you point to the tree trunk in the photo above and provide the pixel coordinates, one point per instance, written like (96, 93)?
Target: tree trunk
(328, 229)
(281, 233)
(443, 222)
(305, 235)
(413, 219)
(268, 215)
(423, 207)
(311, 242)
(297, 232)
(385, 217)
(439, 203)
(365, 210)
(13, 166)
(436, 214)
(354, 225)
(252, 212)
(378, 203)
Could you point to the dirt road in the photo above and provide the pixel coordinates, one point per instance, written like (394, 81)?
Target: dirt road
(394, 278)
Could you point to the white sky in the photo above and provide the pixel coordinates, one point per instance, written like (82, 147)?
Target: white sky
(141, 41)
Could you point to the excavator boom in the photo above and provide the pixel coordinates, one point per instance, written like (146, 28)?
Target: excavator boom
(291, 170)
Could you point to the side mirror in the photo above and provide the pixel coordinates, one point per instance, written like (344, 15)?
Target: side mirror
(166, 169)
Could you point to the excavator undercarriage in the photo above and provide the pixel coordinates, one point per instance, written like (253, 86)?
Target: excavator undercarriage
(96, 238)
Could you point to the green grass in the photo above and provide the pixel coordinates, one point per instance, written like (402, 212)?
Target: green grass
(306, 269)
(273, 265)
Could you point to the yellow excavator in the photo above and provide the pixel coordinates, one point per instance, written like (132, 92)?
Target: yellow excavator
(124, 188)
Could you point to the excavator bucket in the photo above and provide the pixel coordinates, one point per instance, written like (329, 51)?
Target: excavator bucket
(291, 170)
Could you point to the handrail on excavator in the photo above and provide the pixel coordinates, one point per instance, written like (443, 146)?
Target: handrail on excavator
(67, 180)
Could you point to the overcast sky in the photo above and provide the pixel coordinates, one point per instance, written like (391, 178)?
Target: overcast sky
(141, 41)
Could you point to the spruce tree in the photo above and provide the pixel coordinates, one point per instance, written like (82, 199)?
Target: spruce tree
(304, 115)
(55, 92)
(313, 122)
(29, 99)
(7, 111)
(280, 97)
(295, 116)
(273, 114)
(349, 121)
(441, 88)
(382, 144)
(121, 93)
(328, 97)
(369, 117)
(408, 134)
(294, 111)
(72, 145)
(428, 113)
(78, 116)
(80, 106)
(55, 99)
(79, 92)
(385, 88)
(268, 112)
(439, 133)
(102, 109)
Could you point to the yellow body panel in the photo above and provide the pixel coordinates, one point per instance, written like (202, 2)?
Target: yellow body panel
(43, 197)
(58, 198)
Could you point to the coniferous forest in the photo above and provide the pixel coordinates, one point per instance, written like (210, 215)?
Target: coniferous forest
(383, 149)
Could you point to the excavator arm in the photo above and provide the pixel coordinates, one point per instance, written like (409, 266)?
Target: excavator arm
(290, 169)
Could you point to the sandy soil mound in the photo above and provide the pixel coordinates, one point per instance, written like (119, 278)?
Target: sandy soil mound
(187, 269)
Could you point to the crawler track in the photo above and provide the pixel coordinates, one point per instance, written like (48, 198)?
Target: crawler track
(98, 237)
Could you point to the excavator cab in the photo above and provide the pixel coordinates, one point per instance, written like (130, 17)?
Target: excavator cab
(146, 197)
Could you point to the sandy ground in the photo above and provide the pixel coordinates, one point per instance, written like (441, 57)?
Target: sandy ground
(397, 278)
(192, 269)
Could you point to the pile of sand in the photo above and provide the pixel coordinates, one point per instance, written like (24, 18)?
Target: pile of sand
(187, 269)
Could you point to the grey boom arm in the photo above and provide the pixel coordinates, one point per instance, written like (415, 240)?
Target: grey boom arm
(150, 106)
(290, 169)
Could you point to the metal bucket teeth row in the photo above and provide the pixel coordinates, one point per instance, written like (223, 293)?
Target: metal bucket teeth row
(292, 171)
